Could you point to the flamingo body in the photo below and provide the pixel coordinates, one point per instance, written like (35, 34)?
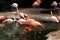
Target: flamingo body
(34, 23)
(26, 30)
(21, 21)
(53, 18)
(54, 4)
(23, 15)
(36, 3)
(8, 21)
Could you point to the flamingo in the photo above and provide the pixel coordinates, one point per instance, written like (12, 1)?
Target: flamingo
(53, 18)
(37, 3)
(15, 5)
(23, 15)
(8, 21)
(21, 21)
(3, 17)
(26, 30)
(30, 24)
(54, 4)
(34, 23)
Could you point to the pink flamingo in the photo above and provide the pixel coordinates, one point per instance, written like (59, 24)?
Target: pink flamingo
(23, 15)
(8, 21)
(26, 30)
(21, 21)
(53, 18)
(30, 24)
(54, 4)
(34, 23)
(37, 3)
(3, 17)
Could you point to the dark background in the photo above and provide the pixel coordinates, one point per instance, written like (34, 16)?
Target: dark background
(5, 4)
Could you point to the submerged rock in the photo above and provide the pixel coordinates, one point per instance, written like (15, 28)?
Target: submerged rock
(53, 35)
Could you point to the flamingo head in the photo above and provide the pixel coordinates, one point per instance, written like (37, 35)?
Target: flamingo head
(14, 5)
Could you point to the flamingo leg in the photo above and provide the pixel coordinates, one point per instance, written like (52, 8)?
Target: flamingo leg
(17, 10)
